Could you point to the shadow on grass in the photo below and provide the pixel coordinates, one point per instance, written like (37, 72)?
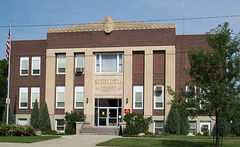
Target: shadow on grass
(185, 143)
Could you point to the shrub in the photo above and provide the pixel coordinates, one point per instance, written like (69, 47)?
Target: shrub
(205, 133)
(136, 123)
(34, 120)
(17, 130)
(231, 135)
(235, 126)
(173, 121)
(72, 118)
(50, 132)
(44, 120)
(224, 126)
(4, 115)
(70, 130)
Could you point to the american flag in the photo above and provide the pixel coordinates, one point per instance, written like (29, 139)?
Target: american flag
(8, 46)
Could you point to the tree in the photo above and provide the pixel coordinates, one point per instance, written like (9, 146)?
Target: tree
(173, 121)
(3, 93)
(44, 120)
(216, 74)
(235, 126)
(34, 120)
(4, 116)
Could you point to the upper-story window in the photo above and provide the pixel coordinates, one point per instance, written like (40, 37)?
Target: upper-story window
(158, 97)
(79, 63)
(137, 97)
(109, 63)
(23, 97)
(36, 64)
(24, 65)
(61, 64)
(35, 95)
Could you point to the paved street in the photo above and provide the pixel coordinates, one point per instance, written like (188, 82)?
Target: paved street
(65, 141)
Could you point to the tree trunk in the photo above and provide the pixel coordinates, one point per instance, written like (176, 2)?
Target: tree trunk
(217, 130)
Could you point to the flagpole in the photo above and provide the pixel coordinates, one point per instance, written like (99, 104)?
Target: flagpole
(9, 66)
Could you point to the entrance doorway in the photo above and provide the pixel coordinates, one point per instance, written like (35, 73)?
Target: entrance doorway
(108, 112)
(108, 116)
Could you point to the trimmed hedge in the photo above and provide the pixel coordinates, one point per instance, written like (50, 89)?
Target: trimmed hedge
(17, 130)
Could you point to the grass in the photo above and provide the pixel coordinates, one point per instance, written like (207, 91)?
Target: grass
(169, 141)
(26, 139)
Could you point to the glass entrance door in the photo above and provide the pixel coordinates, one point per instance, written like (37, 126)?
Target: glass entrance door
(108, 116)
(103, 116)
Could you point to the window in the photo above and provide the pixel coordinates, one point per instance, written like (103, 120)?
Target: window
(205, 126)
(203, 95)
(22, 121)
(35, 95)
(193, 127)
(60, 97)
(159, 126)
(109, 63)
(79, 97)
(36, 64)
(61, 64)
(191, 93)
(23, 97)
(137, 97)
(79, 63)
(158, 97)
(24, 65)
(59, 124)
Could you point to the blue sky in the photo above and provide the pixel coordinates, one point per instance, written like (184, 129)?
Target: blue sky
(37, 12)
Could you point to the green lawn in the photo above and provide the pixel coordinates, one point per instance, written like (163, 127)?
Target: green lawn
(26, 139)
(178, 141)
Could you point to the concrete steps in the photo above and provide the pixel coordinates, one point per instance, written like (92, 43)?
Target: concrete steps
(99, 131)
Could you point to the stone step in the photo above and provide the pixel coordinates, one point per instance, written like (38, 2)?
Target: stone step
(99, 131)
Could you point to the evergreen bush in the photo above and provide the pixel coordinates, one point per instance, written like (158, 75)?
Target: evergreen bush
(44, 120)
(136, 123)
(173, 121)
(70, 130)
(184, 124)
(34, 120)
(10, 116)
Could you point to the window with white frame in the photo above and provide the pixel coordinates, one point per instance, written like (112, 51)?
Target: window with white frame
(59, 124)
(24, 65)
(22, 121)
(137, 97)
(60, 96)
(79, 97)
(61, 64)
(79, 63)
(35, 95)
(205, 126)
(159, 126)
(23, 97)
(202, 95)
(36, 64)
(191, 93)
(158, 97)
(109, 63)
(193, 127)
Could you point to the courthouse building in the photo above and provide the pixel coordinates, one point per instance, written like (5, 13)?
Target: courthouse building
(104, 69)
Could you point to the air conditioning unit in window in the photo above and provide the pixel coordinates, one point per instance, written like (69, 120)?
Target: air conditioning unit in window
(79, 70)
(159, 89)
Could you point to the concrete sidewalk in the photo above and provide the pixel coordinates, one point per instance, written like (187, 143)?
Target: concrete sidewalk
(65, 141)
